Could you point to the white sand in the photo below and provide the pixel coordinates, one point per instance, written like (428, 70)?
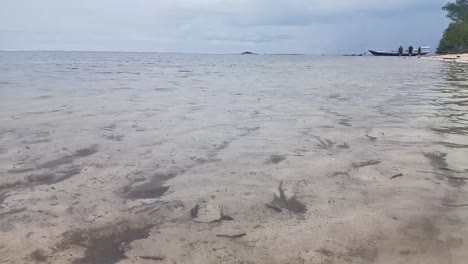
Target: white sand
(451, 57)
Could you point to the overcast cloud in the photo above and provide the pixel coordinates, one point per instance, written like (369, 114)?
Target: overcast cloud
(220, 26)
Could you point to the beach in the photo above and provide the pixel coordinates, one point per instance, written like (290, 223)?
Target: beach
(451, 57)
(190, 158)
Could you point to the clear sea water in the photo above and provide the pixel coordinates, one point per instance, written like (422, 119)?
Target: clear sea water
(371, 144)
(363, 91)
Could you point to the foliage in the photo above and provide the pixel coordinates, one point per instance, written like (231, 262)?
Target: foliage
(458, 11)
(455, 39)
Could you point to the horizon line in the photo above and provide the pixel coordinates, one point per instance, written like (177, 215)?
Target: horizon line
(173, 52)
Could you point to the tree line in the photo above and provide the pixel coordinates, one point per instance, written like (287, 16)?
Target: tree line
(455, 38)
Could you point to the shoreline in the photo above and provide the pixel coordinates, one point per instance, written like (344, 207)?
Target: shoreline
(450, 57)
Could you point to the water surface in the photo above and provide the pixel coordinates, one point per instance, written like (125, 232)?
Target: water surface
(90, 139)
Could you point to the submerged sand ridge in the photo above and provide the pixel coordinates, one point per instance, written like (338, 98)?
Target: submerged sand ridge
(221, 159)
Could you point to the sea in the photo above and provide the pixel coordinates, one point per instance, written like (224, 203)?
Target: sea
(336, 153)
(348, 92)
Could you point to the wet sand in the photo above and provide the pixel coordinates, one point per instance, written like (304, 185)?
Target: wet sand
(226, 160)
(451, 57)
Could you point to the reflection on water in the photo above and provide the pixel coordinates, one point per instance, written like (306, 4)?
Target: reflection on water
(355, 92)
(453, 100)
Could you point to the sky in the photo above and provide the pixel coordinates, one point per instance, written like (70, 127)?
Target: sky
(221, 26)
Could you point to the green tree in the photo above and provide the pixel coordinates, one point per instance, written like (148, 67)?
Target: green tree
(455, 39)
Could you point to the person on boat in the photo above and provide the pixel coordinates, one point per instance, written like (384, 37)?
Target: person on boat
(410, 50)
(419, 51)
(400, 51)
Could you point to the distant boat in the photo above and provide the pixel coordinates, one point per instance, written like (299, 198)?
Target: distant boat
(424, 51)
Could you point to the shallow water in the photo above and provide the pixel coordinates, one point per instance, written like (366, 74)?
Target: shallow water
(182, 110)
(188, 93)
(360, 92)
(193, 106)
(135, 126)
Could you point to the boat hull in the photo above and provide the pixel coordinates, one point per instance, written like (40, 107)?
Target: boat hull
(394, 54)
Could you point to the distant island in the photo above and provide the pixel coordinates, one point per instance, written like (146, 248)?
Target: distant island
(248, 53)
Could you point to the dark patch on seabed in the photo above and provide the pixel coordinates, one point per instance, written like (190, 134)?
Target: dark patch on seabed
(81, 153)
(85, 152)
(437, 158)
(344, 122)
(3, 196)
(110, 127)
(162, 89)
(43, 97)
(10, 185)
(452, 145)
(249, 129)
(104, 246)
(55, 163)
(38, 255)
(291, 204)
(357, 165)
(438, 161)
(463, 130)
(325, 143)
(35, 141)
(12, 211)
(16, 171)
(115, 137)
(43, 112)
(44, 178)
(343, 146)
(153, 188)
(51, 178)
(111, 249)
(276, 159)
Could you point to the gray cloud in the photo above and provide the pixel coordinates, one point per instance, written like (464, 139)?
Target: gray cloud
(299, 26)
(251, 38)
